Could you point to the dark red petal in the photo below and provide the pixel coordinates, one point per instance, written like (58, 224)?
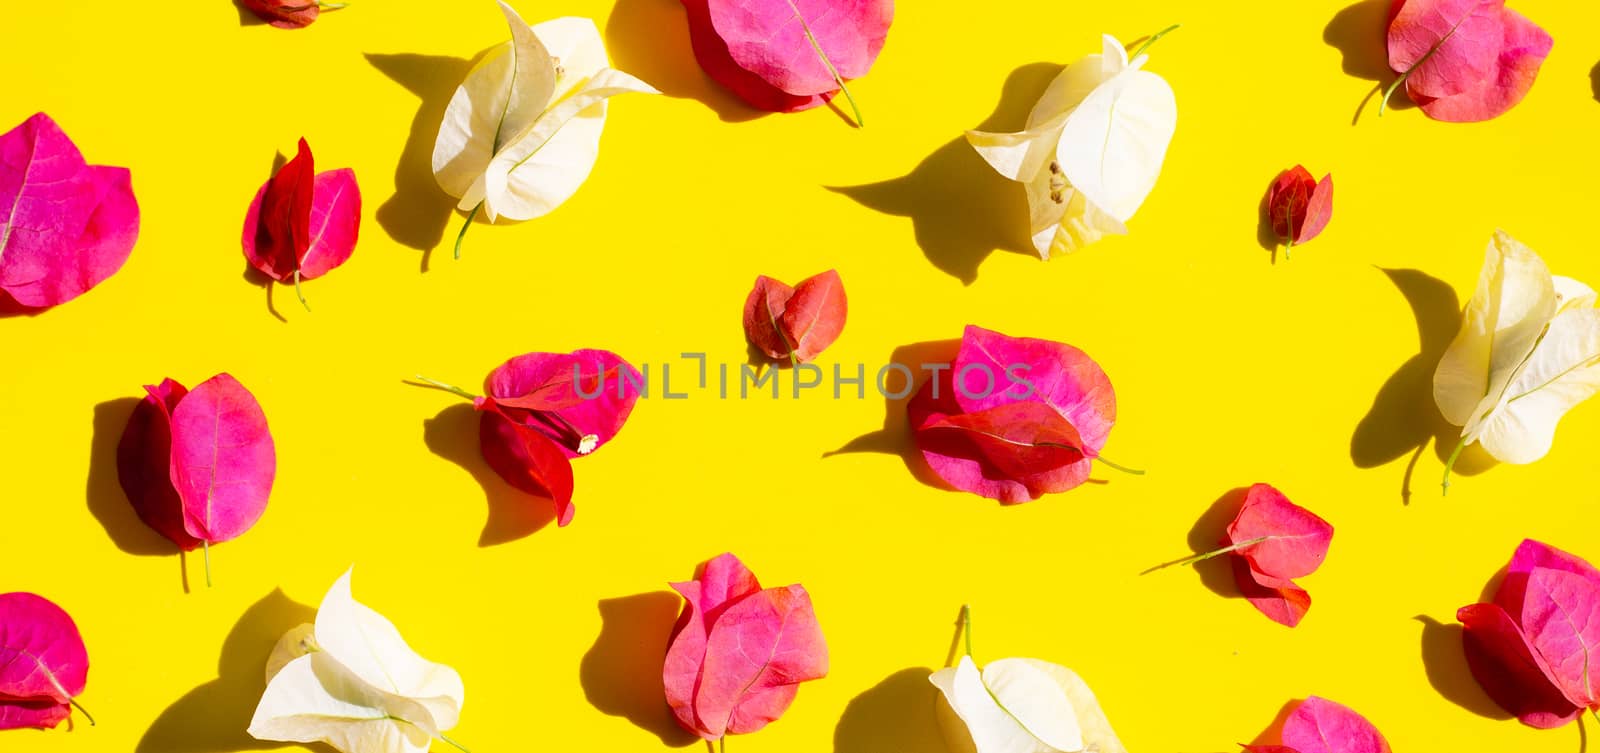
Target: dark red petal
(763, 317)
(1506, 667)
(1280, 600)
(144, 464)
(528, 460)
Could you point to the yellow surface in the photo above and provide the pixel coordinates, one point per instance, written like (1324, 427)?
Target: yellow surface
(1228, 369)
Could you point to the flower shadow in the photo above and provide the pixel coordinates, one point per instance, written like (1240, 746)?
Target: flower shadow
(1404, 417)
(247, 17)
(1358, 32)
(895, 437)
(107, 502)
(1210, 533)
(416, 214)
(213, 718)
(961, 210)
(513, 515)
(895, 716)
(621, 673)
(1445, 661)
(650, 39)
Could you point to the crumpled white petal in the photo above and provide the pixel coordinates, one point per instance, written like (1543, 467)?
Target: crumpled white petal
(1021, 706)
(1092, 149)
(1528, 352)
(351, 681)
(522, 132)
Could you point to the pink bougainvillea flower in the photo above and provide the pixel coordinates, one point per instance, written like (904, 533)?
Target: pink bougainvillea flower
(43, 663)
(1536, 648)
(739, 653)
(289, 14)
(301, 224)
(1299, 206)
(1318, 725)
(1273, 541)
(788, 55)
(198, 465)
(1013, 418)
(70, 226)
(541, 410)
(1463, 61)
(795, 324)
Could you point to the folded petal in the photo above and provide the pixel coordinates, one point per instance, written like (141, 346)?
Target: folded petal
(1506, 668)
(988, 726)
(1033, 697)
(757, 651)
(1279, 599)
(370, 647)
(1532, 555)
(144, 464)
(1115, 142)
(1563, 370)
(314, 699)
(1514, 300)
(1561, 619)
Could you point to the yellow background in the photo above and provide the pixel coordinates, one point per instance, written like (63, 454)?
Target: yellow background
(1229, 369)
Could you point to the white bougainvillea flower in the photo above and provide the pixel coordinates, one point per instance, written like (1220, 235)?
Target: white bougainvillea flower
(523, 130)
(1092, 149)
(1528, 351)
(351, 681)
(1021, 706)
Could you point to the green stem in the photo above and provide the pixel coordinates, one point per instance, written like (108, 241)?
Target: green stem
(832, 71)
(722, 744)
(454, 744)
(463, 234)
(205, 547)
(300, 293)
(82, 710)
(333, 6)
(1450, 465)
(1130, 471)
(450, 388)
(1207, 555)
(1152, 40)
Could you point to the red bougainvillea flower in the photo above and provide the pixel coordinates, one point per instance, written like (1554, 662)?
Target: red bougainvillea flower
(1318, 725)
(541, 410)
(1535, 649)
(1463, 61)
(788, 55)
(71, 225)
(1013, 418)
(795, 324)
(289, 14)
(1273, 541)
(1299, 206)
(301, 224)
(198, 465)
(43, 663)
(739, 653)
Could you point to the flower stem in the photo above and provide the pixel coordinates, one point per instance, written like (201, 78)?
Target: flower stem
(1130, 471)
(722, 744)
(450, 388)
(300, 293)
(1450, 465)
(463, 234)
(454, 744)
(838, 79)
(82, 710)
(205, 547)
(1208, 555)
(1156, 37)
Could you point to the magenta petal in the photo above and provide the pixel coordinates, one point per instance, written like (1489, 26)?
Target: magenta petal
(42, 656)
(529, 461)
(994, 369)
(1447, 45)
(721, 583)
(606, 389)
(963, 464)
(767, 38)
(1297, 539)
(1561, 619)
(1523, 50)
(32, 714)
(70, 225)
(223, 459)
(144, 464)
(712, 54)
(1532, 555)
(1322, 726)
(335, 222)
(1507, 669)
(762, 646)
(1279, 599)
